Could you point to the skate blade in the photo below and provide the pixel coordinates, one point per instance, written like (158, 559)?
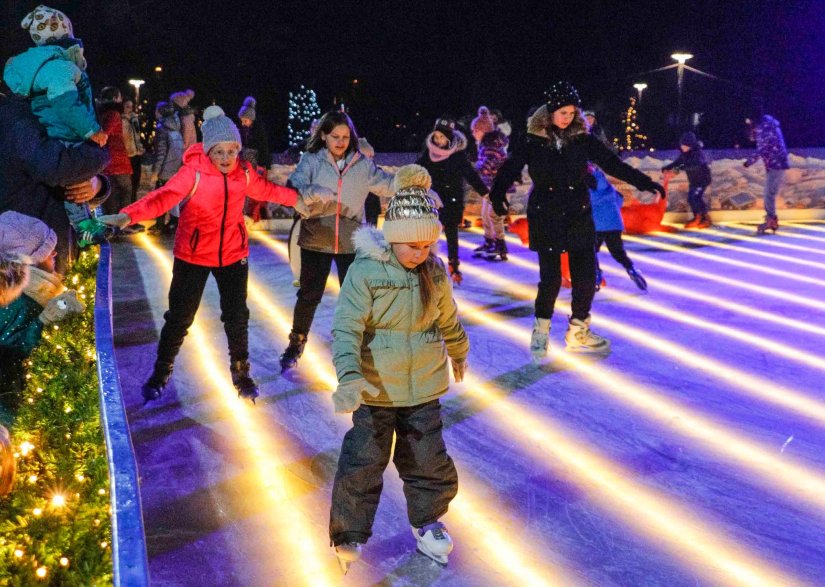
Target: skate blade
(439, 560)
(345, 565)
(583, 350)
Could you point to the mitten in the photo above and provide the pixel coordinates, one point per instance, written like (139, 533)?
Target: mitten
(59, 307)
(459, 367)
(120, 220)
(347, 397)
(656, 188)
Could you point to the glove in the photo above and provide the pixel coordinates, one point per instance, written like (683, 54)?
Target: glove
(500, 207)
(656, 188)
(59, 307)
(347, 397)
(459, 368)
(120, 220)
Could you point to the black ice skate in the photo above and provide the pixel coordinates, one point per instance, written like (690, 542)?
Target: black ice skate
(242, 381)
(153, 387)
(499, 251)
(637, 278)
(488, 247)
(293, 352)
(771, 223)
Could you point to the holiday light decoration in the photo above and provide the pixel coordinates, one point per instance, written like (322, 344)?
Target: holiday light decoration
(59, 506)
(303, 108)
(633, 137)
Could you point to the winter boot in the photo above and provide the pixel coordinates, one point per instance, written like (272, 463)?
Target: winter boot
(600, 280)
(347, 553)
(488, 247)
(455, 273)
(540, 338)
(771, 223)
(157, 381)
(242, 381)
(637, 278)
(580, 339)
(499, 250)
(433, 541)
(704, 221)
(294, 351)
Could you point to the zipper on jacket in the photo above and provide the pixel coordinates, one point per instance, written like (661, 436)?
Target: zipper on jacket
(409, 338)
(223, 220)
(341, 173)
(242, 228)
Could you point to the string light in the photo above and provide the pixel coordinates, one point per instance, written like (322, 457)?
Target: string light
(633, 137)
(64, 562)
(303, 108)
(41, 573)
(58, 500)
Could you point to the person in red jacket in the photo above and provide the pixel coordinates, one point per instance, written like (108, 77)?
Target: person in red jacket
(211, 238)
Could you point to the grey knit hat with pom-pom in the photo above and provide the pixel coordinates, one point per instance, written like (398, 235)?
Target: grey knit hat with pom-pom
(218, 128)
(248, 109)
(411, 215)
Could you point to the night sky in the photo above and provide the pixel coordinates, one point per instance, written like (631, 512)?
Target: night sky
(415, 61)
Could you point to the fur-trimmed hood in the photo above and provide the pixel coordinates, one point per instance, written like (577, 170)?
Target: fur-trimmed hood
(459, 143)
(370, 243)
(540, 124)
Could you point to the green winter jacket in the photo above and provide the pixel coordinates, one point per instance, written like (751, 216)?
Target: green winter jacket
(382, 333)
(20, 328)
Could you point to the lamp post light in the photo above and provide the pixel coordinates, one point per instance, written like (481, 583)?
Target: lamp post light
(137, 83)
(681, 59)
(640, 87)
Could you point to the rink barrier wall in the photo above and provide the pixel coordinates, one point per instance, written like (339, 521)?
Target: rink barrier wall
(129, 561)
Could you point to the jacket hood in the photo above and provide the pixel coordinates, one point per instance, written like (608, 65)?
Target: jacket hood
(370, 243)
(459, 143)
(21, 69)
(195, 158)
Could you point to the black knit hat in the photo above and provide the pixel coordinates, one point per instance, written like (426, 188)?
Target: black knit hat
(446, 127)
(689, 139)
(562, 94)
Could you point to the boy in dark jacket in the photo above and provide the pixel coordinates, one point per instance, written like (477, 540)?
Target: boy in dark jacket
(694, 163)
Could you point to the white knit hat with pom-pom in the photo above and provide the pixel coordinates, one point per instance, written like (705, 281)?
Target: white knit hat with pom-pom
(411, 215)
(217, 128)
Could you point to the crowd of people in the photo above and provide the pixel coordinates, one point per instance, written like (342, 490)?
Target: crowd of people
(64, 155)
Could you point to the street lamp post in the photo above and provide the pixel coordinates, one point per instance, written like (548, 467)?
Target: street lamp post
(137, 83)
(640, 87)
(681, 59)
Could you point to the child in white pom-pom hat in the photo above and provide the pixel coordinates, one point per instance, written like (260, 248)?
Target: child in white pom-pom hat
(211, 238)
(395, 335)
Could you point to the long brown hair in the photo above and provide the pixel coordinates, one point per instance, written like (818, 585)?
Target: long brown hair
(426, 280)
(541, 123)
(328, 122)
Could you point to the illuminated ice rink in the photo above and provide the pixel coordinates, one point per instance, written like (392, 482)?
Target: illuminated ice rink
(694, 454)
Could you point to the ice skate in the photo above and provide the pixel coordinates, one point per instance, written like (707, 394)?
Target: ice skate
(637, 278)
(347, 553)
(433, 541)
(580, 339)
(693, 223)
(488, 246)
(499, 250)
(242, 381)
(153, 387)
(600, 280)
(293, 352)
(704, 221)
(771, 223)
(455, 273)
(540, 339)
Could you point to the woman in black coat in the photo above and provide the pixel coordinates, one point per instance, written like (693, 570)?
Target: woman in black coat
(444, 157)
(557, 149)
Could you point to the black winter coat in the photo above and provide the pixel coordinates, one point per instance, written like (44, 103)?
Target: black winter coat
(695, 166)
(34, 168)
(558, 209)
(449, 175)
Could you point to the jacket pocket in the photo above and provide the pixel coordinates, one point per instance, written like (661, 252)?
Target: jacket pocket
(242, 228)
(193, 240)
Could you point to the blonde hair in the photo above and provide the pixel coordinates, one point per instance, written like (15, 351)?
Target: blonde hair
(14, 277)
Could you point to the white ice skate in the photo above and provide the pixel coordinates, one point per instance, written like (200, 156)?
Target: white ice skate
(347, 553)
(433, 541)
(539, 340)
(580, 339)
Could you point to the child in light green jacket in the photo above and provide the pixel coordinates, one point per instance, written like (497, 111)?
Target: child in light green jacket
(395, 331)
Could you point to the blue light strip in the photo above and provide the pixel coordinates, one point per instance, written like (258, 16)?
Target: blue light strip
(128, 540)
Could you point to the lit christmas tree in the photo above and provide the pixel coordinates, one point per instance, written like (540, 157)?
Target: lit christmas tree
(633, 137)
(303, 107)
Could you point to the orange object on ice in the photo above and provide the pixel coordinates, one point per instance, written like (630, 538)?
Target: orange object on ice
(643, 218)
(519, 227)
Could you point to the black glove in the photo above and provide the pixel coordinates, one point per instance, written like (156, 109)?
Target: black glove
(656, 188)
(501, 207)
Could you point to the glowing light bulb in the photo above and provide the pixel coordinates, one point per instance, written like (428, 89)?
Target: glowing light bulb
(18, 553)
(37, 511)
(26, 447)
(64, 562)
(58, 500)
(41, 572)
